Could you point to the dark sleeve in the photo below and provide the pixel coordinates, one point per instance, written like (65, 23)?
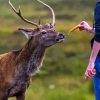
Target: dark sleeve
(97, 23)
(97, 37)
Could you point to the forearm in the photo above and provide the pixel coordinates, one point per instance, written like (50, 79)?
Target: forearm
(94, 53)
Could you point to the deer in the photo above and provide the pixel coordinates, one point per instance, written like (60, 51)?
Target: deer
(18, 67)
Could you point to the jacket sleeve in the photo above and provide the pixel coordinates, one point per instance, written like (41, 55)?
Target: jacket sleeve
(97, 22)
(97, 37)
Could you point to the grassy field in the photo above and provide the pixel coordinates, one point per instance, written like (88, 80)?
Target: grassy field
(59, 87)
(62, 74)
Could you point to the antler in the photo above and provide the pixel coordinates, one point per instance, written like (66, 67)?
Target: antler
(20, 15)
(53, 14)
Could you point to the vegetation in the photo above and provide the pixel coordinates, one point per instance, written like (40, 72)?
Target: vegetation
(62, 74)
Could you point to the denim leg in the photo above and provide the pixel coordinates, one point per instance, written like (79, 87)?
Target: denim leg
(97, 87)
(97, 79)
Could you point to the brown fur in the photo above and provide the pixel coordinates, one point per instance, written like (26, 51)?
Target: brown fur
(7, 72)
(8, 65)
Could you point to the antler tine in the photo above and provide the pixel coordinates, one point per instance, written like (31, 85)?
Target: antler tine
(53, 14)
(19, 14)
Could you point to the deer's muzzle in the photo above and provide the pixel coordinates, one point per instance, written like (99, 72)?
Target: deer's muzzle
(60, 37)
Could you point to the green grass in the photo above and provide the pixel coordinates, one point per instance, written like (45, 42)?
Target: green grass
(58, 87)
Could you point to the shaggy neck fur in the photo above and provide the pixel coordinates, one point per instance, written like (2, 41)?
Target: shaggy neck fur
(30, 57)
(35, 60)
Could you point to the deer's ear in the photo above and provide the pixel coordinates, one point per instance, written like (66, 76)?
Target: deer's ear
(27, 32)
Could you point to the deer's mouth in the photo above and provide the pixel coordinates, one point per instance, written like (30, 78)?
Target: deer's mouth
(60, 37)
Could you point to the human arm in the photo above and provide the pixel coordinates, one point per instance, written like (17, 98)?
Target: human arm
(90, 72)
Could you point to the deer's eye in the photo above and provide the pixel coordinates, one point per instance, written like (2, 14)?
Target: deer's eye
(44, 32)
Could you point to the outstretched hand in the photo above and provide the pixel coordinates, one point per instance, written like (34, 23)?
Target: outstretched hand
(85, 26)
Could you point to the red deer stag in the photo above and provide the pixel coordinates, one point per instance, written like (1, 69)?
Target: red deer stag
(18, 67)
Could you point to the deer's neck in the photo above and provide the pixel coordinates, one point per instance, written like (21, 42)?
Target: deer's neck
(35, 60)
(30, 57)
(26, 52)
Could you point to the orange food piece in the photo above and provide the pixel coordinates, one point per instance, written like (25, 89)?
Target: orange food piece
(74, 28)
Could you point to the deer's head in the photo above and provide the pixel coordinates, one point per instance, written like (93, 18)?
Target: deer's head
(44, 35)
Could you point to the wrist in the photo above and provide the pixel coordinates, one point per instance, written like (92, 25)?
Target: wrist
(91, 65)
(90, 30)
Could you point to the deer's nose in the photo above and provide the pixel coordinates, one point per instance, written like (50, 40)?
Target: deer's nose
(61, 35)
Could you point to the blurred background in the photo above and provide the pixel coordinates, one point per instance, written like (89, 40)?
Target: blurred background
(62, 74)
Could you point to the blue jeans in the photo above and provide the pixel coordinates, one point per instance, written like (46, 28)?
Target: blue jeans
(97, 79)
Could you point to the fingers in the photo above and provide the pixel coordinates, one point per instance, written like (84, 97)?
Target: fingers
(81, 27)
(90, 74)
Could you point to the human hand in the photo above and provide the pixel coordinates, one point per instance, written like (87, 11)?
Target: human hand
(85, 26)
(90, 71)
